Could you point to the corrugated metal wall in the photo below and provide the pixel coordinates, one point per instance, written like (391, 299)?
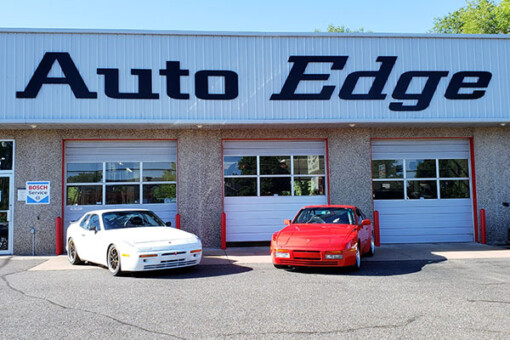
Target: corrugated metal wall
(261, 63)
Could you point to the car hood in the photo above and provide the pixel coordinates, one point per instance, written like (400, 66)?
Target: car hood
(150, 237)
(315, 235)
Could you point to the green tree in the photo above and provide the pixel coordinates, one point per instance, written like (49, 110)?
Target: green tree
(477, 17)
(343, 29)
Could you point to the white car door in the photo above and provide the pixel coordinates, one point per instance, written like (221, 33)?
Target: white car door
(79, 237)
(91, 240)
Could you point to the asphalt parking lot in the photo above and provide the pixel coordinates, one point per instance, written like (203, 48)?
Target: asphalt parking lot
(432, 291)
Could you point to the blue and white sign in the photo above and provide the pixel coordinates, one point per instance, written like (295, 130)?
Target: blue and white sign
(38, 192)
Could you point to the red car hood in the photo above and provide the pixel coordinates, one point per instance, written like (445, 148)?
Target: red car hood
(315, 235)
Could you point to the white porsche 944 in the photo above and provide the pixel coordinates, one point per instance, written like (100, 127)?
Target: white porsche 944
(130, 241)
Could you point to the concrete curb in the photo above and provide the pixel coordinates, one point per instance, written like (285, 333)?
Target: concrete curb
(260, 255)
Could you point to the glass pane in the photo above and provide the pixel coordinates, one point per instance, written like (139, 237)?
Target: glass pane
(389, 190)
(6, 155)
(309, 165)
(275, 165)
(454, 189)
(159, 171)
(85, 195)
(240, 187)
(275, 186)
(84, 172)
(122, 194)
(4, 193)
(159, 193)
(421, 168)
(308, 186)
(238, 165)
(393, 168)
(4, 231)
(123, 172)
(453, 168)
(421, 189)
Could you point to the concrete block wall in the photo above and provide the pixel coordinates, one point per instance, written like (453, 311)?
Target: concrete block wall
(39, 157)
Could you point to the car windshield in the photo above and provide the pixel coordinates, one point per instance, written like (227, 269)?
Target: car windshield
(131, 219)
(326, 215)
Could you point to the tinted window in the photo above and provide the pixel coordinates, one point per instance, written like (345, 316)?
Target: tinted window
(94, 222)
(326, 215)
(131, 219)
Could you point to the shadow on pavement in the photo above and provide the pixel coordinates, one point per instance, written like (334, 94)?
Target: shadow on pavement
(375, 267)
(221, 267)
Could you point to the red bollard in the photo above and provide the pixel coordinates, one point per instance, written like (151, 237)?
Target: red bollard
(483, 226)
(58, 236)
(377, 238)
(223, 231)
(177, 221)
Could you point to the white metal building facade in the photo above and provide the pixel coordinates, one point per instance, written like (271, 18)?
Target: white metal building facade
(254, 126)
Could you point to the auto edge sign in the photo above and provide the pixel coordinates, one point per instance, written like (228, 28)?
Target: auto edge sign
(38, 192)
(462, 85)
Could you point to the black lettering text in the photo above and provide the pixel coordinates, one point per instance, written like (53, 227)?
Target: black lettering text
(297, 74)
(71, 77)
(423, 99)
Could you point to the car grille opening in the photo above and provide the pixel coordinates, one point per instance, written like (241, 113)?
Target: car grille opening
(296, 262)
(174, 253)
(307, 255)
(170, 264)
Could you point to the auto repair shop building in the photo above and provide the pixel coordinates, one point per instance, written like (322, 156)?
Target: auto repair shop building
(196, 126)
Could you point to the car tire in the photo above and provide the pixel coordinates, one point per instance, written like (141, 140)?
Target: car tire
(113, 261)
(279, 266)
(371, 250)
(72, 253)
(357, 264)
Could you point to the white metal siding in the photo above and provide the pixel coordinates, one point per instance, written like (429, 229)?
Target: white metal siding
(261, 62)
(427, 220)
(257, 218)
(121, 151)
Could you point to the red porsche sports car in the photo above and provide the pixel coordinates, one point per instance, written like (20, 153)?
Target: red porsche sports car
(324, 236)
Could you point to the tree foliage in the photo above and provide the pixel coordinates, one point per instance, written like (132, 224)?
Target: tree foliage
(477, 17)
(343, 29)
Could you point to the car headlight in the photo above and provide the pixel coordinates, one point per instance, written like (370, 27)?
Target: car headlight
(282, 253)
(333, 255)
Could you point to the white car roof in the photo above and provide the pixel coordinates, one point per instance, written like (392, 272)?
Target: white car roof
(102, 211)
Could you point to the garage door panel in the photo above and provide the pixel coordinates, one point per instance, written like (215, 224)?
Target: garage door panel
(423, 220)
(122, 151)
(257, 218)
(427, 239)
(412, 219)
(430, 230)
(250, 237)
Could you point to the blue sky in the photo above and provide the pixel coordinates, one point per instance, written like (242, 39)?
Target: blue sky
(227, 15)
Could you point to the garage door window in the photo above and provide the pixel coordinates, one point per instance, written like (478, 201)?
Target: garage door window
(114, 183)
(274, 175)
(420, 179)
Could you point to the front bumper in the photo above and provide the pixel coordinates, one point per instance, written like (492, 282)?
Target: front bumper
(165, 259)
(314, 258)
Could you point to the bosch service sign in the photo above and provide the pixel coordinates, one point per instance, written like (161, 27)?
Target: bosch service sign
(38, 192)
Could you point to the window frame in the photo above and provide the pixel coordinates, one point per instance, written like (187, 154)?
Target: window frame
(291, 176)
(404, 179)
(104, 183)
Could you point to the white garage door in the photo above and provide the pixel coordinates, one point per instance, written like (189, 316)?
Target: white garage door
(266, 182)
(120, 174)
(422, 190)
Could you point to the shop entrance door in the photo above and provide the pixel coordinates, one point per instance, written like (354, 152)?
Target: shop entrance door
(5, 214)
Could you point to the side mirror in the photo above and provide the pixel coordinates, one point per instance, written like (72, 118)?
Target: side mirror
(366, 222)
(93, 228)
(286, 222)
(168, 224)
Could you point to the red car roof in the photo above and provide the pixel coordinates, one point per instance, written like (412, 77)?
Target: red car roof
(330, 206)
